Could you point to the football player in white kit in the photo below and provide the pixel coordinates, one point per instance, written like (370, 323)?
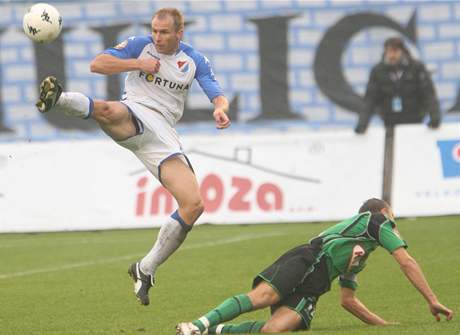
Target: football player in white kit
(160, 69)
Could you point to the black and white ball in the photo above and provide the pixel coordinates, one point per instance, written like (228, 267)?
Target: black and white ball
(42, 23)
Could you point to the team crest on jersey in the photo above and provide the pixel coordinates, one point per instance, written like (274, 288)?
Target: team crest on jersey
(183, 66)
(121, 45)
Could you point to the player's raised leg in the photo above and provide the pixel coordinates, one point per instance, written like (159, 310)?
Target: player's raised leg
(71, 103)
(114, 119)
(180, 181)
(112, 116)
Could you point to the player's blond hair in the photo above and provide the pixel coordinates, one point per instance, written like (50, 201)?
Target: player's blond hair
(176, 15)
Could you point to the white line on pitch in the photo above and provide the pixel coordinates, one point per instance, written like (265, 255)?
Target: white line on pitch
(127, 257)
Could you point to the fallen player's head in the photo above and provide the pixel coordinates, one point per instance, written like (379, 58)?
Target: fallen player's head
(375, 205)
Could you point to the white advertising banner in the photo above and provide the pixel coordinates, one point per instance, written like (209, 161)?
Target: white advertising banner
(276, 177)
(426, 173)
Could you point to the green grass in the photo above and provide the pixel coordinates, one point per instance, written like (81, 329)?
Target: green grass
(92, 293)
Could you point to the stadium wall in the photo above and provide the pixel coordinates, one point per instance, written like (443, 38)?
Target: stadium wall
(236, 36)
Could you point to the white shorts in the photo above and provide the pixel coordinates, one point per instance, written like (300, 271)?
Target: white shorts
(157, 139)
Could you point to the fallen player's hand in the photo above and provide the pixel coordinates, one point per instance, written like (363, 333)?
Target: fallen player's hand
(222, 119)
(149, 65)
(438, 308)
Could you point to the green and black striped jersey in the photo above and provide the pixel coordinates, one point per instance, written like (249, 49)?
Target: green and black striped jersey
(347, 245)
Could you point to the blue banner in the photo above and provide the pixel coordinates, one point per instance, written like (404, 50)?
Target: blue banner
(450, 157)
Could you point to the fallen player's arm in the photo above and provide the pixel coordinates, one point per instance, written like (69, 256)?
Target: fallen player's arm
(415, 275)
(108, 64)
(352, 304)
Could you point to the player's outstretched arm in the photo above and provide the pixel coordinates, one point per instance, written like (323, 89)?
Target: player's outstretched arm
(108, 64)
(220, 112)
(415, 275)
(353, 305)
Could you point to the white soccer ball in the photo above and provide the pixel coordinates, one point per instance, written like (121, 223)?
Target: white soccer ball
(42, 23)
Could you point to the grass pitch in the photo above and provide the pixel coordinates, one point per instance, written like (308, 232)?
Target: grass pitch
(77, 283)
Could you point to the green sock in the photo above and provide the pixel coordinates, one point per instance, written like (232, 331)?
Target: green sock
(228, 310)
(242, 328)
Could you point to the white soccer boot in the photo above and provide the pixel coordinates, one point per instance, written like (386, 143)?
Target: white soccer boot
(188, 328)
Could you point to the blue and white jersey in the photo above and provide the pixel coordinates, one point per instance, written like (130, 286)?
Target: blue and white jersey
(166, 90)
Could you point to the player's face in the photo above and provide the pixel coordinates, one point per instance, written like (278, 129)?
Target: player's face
(393, 55)
(165, 36)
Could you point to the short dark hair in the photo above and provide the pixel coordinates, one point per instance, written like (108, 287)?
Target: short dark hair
(396, 43)
(373, 205)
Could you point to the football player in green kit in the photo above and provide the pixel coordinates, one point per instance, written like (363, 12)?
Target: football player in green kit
(292, 285)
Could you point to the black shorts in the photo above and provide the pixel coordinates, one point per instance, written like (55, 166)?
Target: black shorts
(299, 277)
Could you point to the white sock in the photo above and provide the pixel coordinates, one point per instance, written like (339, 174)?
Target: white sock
(219, 328)
(170, 237)
(75, 104)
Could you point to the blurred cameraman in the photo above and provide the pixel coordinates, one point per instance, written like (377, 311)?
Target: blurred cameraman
(400, 90)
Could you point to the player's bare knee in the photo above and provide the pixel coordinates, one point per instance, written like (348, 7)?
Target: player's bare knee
(103, 112)
(199, 208)
(268, 329)
(191, 210)
(196, 208)
(273, 328)
(263, 295)
(280, 326)
(269, 298)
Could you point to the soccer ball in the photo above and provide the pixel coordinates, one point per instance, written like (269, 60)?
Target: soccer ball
(42, 23)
